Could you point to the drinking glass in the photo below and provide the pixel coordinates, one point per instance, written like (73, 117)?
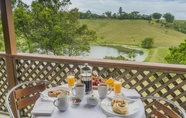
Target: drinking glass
(117, 87)
(70, 79)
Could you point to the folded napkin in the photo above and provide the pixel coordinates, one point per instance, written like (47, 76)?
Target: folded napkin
(43, 108)
(131, 93)
(128, 93)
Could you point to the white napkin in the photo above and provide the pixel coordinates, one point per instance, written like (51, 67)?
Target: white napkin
(131, 93)
(43, 108)
(128, 93)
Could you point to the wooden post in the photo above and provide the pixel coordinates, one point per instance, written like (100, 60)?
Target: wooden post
(10, 45)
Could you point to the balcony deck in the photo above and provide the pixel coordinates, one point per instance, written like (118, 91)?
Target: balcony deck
(165, 80)
(155, 79)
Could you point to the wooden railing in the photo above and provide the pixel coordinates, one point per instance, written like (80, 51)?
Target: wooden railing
(165, 80)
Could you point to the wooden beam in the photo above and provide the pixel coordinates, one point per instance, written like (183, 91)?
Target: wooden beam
(8, 26)
(10, 46)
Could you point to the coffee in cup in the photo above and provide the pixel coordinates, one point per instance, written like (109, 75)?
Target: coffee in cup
(103, 90)
(78, 90)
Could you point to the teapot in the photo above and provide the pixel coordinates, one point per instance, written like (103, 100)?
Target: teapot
(62, 101)
(92, 100)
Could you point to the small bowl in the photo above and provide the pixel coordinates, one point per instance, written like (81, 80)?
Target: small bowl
(76, 100)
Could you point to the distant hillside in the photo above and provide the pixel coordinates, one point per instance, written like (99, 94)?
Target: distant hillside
(132, 32)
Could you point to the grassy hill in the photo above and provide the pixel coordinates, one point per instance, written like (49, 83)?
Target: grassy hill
(132, 32)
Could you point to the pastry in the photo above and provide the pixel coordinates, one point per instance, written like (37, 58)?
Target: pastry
(118, 100)
(119, 106)
(55, 93)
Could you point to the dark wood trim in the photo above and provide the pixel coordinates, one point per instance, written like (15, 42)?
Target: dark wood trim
(10, 45)
(8, 27)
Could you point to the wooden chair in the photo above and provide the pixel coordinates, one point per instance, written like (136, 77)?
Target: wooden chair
(27, 95)
(162, 111)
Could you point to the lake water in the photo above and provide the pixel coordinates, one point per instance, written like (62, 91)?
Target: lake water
(101, 51)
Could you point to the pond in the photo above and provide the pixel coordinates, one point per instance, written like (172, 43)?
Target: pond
(100, 52)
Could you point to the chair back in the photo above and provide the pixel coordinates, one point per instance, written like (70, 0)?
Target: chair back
(159, 106)
(160, 110)
(27, 95)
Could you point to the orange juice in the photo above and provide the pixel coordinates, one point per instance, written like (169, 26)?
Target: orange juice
(117, 87)
(70, 80)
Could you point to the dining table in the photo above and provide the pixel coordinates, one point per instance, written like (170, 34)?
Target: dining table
(83, 110)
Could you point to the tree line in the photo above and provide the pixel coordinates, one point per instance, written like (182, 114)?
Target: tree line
(124, 15)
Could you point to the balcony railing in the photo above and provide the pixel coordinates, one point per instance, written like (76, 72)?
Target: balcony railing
(165, 80)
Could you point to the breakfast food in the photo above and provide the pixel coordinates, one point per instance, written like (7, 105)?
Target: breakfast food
(118, 100)
(55, 93)
(97, 80)
(119, 106)
(110, 81)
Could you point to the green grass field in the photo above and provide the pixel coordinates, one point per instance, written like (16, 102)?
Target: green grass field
(132, 32)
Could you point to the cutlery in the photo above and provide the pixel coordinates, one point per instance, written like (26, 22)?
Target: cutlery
(46, 97)
(128, 99)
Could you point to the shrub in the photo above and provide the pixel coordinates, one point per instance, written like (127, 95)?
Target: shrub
(147, 43)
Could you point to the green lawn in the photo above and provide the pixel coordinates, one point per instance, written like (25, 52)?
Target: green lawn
(132, 32)
(157, 55)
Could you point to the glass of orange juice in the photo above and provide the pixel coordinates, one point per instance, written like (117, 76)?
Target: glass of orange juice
(70, 79)
(117, 87)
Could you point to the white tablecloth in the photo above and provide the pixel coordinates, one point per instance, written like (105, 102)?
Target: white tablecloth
(85, 111)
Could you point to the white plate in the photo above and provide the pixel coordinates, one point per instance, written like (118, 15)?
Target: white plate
(45, 92)
(132, 107)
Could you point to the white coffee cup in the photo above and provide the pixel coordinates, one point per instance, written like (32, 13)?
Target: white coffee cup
(78, 90)
(103, 90)
(62, 101)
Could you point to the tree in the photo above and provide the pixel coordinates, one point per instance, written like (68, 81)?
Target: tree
(177, 54)
(114, 16)
(62, 33)
(169, 17)
(89, 14)
(108, 14)
(2, 47)
(135, 14)
(120, 11)
(147, 43)
(23, 27)
(49, 23)
(131, 55)
(54, 29)
(18, 3)
(156, 15)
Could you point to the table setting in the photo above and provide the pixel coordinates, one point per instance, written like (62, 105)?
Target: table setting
(82, 100)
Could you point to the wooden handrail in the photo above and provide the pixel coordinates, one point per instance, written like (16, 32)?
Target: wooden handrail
(105, 62)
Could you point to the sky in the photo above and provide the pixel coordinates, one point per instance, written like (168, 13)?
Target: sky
(175, 7)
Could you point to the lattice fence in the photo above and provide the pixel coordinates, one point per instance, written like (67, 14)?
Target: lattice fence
(3, 84)
(169, 84)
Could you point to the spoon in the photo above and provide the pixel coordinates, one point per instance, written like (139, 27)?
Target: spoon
(129, 101)
(45, 96)
(74, 101)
